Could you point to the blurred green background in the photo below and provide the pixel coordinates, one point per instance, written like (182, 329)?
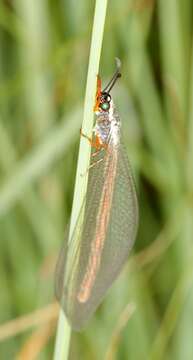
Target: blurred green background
(44, 49)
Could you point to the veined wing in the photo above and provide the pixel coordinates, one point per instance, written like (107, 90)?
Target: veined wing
(102, 239)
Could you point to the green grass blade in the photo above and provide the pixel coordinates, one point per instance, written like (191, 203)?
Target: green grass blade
(63, 333)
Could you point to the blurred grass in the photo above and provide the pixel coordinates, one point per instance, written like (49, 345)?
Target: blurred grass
(44, 47)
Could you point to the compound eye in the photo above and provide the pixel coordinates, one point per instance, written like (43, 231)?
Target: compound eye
(105, 106)
(105, 97)
(108, 98)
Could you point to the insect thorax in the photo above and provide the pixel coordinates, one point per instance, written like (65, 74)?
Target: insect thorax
(107, 126)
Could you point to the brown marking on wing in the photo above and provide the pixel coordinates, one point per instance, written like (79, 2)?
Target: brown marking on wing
(100, 233)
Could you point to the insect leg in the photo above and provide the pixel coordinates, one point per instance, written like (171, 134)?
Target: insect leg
(85, 136)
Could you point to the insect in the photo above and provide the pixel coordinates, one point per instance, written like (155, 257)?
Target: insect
(107, 224)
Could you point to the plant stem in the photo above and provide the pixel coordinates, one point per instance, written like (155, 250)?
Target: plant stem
(63, 331)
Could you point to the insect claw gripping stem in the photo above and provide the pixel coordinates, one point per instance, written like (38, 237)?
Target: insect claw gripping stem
(85, 136)
(94, 144)
(92, 165)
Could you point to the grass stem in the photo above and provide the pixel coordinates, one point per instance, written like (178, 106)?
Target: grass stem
(63, 331)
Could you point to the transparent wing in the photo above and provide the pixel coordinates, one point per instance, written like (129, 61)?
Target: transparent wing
(102, 239)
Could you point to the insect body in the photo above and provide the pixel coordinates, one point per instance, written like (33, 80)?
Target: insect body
(107, 224)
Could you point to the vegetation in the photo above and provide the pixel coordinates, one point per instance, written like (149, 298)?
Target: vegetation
(44, 47)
